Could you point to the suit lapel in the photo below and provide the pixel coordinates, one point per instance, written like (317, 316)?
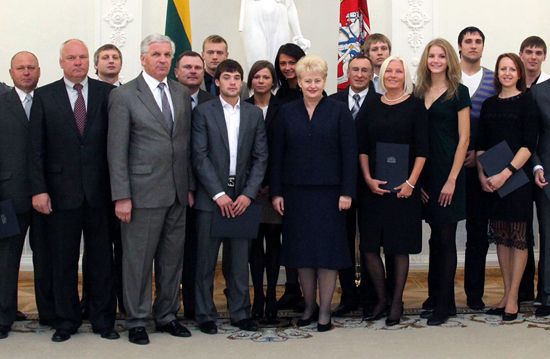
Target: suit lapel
(16, 107)
(244, 126)
(179, 108)
(62, 98)
(146, 97)
(219, 118)
(93, 105)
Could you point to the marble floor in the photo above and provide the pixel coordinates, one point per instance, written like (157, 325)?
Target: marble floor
(415, 292)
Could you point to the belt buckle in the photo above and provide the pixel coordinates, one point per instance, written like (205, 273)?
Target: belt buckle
(231, 181)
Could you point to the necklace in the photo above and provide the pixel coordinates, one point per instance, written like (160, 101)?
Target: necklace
(396, 99)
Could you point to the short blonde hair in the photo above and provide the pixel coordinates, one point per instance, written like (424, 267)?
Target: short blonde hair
(311, 63)
(408, 85)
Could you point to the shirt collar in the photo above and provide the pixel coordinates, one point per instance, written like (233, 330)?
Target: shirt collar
(71, 84)
(22, 94)
(152, 82)
(361, 94)
(228, 106)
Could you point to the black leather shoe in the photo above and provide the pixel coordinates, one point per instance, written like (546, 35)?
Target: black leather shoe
(495, 311)
(175, 329)
(426, 314)
(248, 325)
(108, 333)
(138, 335)
(475, 304)
(437, 319)
(209, 327)
(324, 327)
(61, 335)
(20, 316)
(307, 321)
(4, 331)
(344, 309)
(508, 317)
(542, 311)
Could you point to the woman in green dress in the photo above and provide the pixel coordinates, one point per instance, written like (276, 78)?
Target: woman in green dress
(443, 187)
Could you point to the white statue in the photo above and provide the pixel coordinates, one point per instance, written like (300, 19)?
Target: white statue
(268, 24)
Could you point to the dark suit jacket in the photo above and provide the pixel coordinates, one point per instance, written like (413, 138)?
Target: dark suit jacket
(272, 110)
(541, 94)
(147, 163)
(320, 152)
(204, 96)
(4, 88)
(211, 152)
(69, 167)
(14, 133)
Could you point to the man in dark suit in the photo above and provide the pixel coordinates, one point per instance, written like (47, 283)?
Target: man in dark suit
(70, 184)
(541, 161)
(189, 71)
(229, 158)
(151, 180)
(3, 88)
(359, 96)
(15, 105)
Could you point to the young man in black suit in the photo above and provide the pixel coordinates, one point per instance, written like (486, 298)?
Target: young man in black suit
(70, 184)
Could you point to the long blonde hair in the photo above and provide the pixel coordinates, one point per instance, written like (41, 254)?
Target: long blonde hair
(453, 73)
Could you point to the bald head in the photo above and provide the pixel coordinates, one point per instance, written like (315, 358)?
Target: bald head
(74, 59)
(24, 71)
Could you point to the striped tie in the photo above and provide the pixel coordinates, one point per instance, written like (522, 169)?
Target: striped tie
(356, 106)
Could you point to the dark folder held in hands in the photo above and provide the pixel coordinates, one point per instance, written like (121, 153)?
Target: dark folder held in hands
(9, 226)
(244, 226)
(392, 164)
(495, 160)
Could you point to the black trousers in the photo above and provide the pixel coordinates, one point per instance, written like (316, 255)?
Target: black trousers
(189, 262)
(64, 230)
(10, 258)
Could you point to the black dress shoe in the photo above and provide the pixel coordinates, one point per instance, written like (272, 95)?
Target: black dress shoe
(437, 319)
(248, 325)
(108, 333)
(324, 327)
(4, 331)
(475, 304)
(175, 329)
(508, 317)
(20, 316)
(61, 335)
(495, 311)
(307, 321)
(542, 311)
(138, 335)
(343, 309)
(208, 327)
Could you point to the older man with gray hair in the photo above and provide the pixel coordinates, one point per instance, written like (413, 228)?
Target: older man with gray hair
(151, 180)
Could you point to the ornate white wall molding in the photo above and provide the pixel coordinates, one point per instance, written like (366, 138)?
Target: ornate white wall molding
(118, 17)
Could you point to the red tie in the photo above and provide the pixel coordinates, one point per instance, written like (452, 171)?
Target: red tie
(80, 110)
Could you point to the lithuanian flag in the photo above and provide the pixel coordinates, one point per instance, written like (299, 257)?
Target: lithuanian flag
(178, 27)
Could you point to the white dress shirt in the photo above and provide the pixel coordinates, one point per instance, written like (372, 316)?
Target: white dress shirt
(154, 87)
(23, 95)
(73, 94)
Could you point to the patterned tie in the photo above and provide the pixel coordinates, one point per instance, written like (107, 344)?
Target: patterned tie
(80, 110)
(356, 106)
(193, 103)
(27, 105)
(166, 112)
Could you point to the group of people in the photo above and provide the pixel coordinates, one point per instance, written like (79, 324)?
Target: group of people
(143, 170)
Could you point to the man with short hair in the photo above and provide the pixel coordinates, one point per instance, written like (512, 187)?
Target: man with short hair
(151, 183)
(532, 52)
(70, 185)
(108, 63)
(479, 81)
(15, 105)
(359, 97)
(378, 48)
(189, 71)
(230, 159)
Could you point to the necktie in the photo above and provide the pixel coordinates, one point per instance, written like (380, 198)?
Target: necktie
(27, 105)
(193, 103)
(356, 106)
(80, 109)
(166, 112)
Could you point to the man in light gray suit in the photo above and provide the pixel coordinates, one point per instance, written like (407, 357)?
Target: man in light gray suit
(541, 161)
(229, 158)
(151, 180)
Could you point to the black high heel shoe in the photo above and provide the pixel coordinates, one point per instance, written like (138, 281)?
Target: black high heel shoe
(508, 317)
(324, 327)
(394, 321)
(307, 321)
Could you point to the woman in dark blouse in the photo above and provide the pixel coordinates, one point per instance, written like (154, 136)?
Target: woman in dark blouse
(262, 80)
(313, 180)
(443, 183)
(392, 218)
(510, 116)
